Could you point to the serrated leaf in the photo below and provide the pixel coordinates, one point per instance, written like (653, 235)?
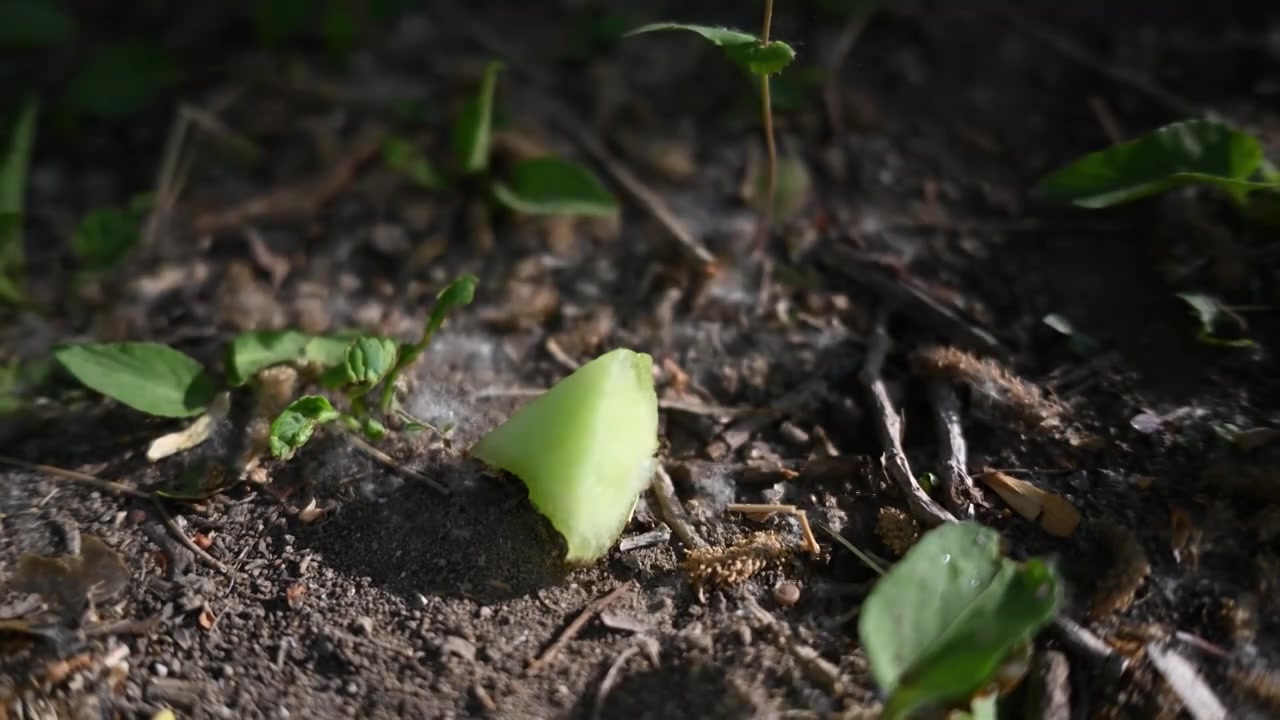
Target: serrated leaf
(939, 624)
(1194, 151)
(474, 129)
(295, 425)
(551, 186)
(105, 237)
(404, 157)
(146, 376)
(740, 47)
(585, 449)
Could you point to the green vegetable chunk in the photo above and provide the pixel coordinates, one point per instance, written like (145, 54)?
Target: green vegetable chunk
(585, 449)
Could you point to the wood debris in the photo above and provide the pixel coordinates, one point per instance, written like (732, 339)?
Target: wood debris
(733, 565)
(989, 379)
(897, 530)
(1052, 512)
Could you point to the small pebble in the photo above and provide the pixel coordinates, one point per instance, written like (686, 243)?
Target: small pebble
(160, 669)
(363, 625)
(351, 688)
(786, 594)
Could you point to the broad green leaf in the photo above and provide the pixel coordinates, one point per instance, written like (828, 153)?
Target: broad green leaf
(551, 186)
(742, 48)
(474, 128)
(121, 79)
(257, 350)
(34, 23)
(105, 237)
(296, 424)
(939, 624)
(146, 376)
(1214, 317)
(585, 449)
(328, 350)
(1195, 151)
(404, 157)
(15, 157)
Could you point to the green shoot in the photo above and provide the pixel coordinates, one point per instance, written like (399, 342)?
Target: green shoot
(13, 182)
(405, 158)
(105, 237)
(762, 57)
(459, 292)
(296, 424)
(551, 186)
(474, 128)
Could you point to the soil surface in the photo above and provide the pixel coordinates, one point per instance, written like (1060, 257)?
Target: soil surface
(337, 586)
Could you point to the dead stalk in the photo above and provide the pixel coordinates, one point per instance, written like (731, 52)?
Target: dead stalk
(958, 492)
(672, 512)
(766, 111)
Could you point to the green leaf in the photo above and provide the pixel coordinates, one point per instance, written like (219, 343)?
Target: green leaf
(1214, 319)
(251, 352)
(459, 292)
(14, 162)
(146, 376)
(374, 430)
(404, 157)
(34, 23)
(368, 361)
(585, 449)
(105, 237)
(121, 79)
(1195, 151)
(328, 350)
(296, 424)
(474, 128)
(551, 186)
(742, 48)
(939, 624)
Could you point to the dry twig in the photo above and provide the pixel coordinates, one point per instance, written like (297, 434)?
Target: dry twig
(672, 512)
(765, 510)
(611, 679)
(591, 610)
(889, 427)
(958, 491)
(84, 479)
(912, 299)
(188, 543)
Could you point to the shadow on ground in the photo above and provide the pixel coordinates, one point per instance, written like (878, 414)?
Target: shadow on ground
(680, 688)
(484, 540)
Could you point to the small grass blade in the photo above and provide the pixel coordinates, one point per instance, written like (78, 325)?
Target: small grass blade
(474, 129)
(14, 162)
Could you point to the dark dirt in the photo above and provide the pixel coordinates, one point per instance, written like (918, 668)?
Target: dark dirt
(398, 601)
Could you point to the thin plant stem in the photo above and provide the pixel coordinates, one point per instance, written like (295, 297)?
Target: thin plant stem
(766, 111)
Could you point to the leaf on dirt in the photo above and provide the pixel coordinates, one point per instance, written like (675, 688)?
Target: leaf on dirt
(402, 156)
(551, 186)
(252, 352)
(121, 79)
(373, 429)
(105, 237)
(294, 426)
(26, 24)
(741, 47)
(474, 129)
(96, 574)
(1184, 153)
(586, 482)
(939, 624)
(194, 434)
(15, 156)
(146, 376)
(1217, 321)
(1054, 513)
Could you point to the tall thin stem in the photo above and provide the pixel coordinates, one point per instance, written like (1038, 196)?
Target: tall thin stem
(766, 111)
